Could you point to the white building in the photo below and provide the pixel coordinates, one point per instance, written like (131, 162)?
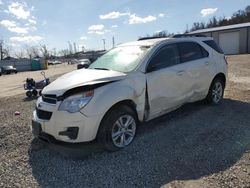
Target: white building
(233, 39)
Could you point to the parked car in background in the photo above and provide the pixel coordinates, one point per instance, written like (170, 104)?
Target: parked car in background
(133, 82)
(8, 70)
(83, 63)
(52, 62)
(73, 61)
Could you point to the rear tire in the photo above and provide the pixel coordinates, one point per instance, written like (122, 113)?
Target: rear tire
(118, 128)
(216, 92)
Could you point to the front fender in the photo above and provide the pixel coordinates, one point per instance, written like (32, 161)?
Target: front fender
(132, 88)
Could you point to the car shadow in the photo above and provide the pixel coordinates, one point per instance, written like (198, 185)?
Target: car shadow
(194, 141)
(27, 99)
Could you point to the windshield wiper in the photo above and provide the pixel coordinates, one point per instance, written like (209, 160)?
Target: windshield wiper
(101, 68)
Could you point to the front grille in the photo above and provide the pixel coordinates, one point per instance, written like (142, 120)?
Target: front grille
(41, 114)
(49, 99)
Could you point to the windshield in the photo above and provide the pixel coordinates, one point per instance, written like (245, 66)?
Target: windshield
(122, 59)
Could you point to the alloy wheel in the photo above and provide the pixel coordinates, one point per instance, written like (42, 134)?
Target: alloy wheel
(123, 131)
(217, 92)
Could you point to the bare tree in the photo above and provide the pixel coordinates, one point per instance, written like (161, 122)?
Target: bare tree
(64, 52)
(6, 51)
(54, 52)
(44, 51)
(35, 51)
(28, 51)
(19, 54)
(32, 51)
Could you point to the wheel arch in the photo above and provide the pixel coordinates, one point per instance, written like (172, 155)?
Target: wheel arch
(126, 102)
(220, 76)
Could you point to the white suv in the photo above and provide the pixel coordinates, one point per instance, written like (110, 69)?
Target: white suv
(132, 83)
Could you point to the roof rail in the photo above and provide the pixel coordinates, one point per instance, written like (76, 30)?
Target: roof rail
(188, 35)
(148, 38)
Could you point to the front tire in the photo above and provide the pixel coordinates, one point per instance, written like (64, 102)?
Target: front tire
(216, 92)
(118, 128)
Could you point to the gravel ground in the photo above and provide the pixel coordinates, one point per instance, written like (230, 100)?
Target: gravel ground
(195, 146)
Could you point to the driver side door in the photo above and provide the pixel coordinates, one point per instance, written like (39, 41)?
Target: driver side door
(167, 83)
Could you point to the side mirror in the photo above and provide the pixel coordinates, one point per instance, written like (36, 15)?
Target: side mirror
(153, 66)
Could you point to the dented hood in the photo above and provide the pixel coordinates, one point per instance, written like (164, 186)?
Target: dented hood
(79, 78)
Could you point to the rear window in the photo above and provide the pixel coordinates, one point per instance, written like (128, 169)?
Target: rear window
(213, 45)
(190, 51)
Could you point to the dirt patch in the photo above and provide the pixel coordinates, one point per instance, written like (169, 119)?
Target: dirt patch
(11, 85)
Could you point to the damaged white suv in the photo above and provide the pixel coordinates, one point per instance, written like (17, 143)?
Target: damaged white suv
(132, 83)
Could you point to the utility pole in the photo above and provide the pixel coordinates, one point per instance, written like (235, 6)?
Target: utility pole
(113, 41)
(75, 47)
(1, 49)
(54, 51)
(187, 30)
(70, 47)
(83, 49)
(104, 41)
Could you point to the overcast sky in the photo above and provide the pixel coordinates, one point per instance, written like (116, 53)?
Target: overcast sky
(87, 22)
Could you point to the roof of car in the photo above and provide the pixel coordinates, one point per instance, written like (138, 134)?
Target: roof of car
(154, 41)
(149, 42)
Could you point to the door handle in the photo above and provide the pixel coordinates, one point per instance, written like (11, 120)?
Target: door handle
(179, 73)
(206, 63)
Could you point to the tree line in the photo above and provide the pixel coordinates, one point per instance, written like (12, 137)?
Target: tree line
(28, 51)
(240, 16)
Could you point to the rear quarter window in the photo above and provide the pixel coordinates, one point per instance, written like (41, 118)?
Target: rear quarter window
(213, 45)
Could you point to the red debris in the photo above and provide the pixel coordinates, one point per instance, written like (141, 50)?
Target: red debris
(17, 113)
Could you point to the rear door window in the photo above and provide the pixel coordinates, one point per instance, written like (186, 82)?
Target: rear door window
(190, 51)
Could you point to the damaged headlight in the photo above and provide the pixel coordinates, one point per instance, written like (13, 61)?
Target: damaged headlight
(75, 103)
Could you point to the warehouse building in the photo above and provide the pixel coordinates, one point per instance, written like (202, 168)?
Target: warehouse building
(233, 39)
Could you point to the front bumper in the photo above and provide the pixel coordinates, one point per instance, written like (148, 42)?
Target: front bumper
(65, 126)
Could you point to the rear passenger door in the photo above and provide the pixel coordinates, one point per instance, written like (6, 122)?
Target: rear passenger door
(195, 63)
